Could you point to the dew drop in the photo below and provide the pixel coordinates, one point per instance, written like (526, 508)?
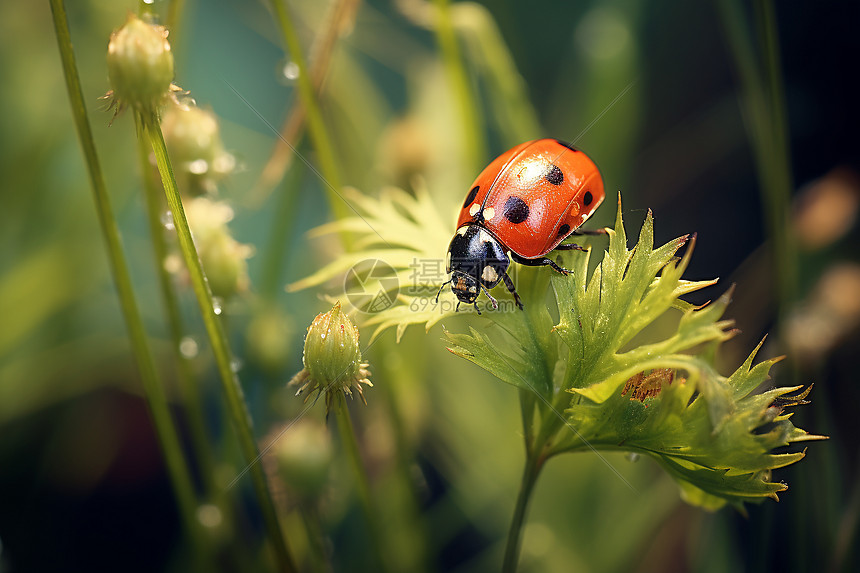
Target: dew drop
(631, 457)
(209, 515)
(167, 220)
(216, 306)
(235, 365)
(291, 70)
(188, 347)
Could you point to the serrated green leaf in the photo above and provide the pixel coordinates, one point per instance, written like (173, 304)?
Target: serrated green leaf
(710, 432)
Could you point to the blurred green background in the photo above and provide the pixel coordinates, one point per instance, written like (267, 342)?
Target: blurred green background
(82, 482)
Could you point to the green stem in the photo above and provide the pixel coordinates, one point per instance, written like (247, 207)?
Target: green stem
(342, 17)
(278, 242)
(316, 538)
(512, 549)
(475, 146)
(187, 382)
(527, 411)
(236, 407)
(316, 124)
(174, 14)
(155, 395)
(350, 444)
(761, 84)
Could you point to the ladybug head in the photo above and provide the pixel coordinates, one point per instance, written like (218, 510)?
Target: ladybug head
(476, 260)
(465, 287)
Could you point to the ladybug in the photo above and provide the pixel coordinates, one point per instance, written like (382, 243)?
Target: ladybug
(521, 207)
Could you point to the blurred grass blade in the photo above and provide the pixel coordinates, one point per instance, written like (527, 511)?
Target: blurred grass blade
(155, 394)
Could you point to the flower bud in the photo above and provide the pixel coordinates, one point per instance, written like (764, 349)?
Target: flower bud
(223, 258)
(140, 64)
(332, 357)
(193, 138)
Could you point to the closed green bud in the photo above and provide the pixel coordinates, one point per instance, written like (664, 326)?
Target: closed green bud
(223, 258)
(140, 65)
(332, 357)
(193, 138)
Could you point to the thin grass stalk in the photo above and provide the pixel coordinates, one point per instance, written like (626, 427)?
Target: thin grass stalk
(350, 444)
(761, 85)
(283, 223)
(475, 146)
(156, 398)
(174, 15)
(779, 152)
(236, 406)
(188, 384)
(317, 555)
(342, 16)
(319, 135)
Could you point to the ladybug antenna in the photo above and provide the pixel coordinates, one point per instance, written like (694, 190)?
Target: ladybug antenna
(440, 289)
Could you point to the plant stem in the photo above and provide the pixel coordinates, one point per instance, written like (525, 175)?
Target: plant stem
(350, 444)
(341, 17)
(316, 538)
(512, 549)
(174, 15)
(316, 124)
(155, 395)
(761, 83)
(527, 411)
(475, 147)
(236, 407)
(283, 223)
(187, 383)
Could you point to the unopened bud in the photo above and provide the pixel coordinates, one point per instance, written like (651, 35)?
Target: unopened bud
(140, 65)
(193, 138)
(332, 357)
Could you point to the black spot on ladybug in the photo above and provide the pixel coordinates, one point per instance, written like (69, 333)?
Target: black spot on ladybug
(587, 198)
(516, 210)
(471, 196)
(564, 229)
(570, 146)
(554, 175)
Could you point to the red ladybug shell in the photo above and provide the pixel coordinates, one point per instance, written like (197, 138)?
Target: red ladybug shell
(534, 196)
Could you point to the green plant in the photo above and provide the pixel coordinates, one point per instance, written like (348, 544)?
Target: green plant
(594, 368)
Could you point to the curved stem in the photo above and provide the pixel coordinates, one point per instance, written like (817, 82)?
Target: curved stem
(472, 128)
(763, 101)
(236, 407)
(350, 444)
(512, 549)
(342, 14)
(316, 125)
(155, 395)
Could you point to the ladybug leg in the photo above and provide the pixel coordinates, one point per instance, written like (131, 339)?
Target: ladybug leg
(440, 289)
(510, 284)
(543, 261)
(489, 296)
(571, 247)
(601, 231)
